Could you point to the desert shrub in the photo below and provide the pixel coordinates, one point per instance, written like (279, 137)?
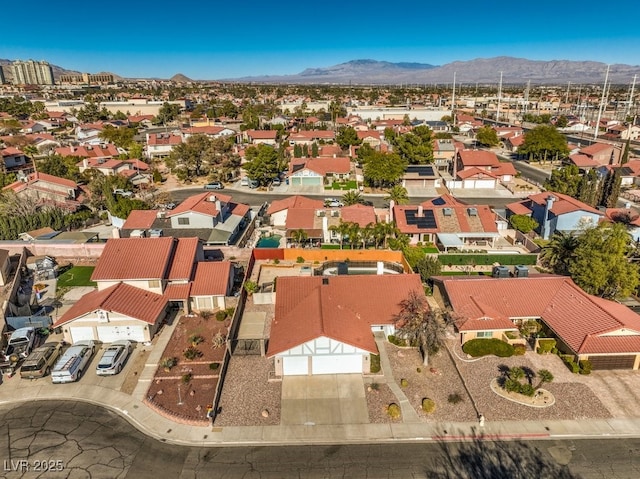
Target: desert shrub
(375, 363)
(192, 353)
(527, 389)
(396, 340)
(276, 261)
(546, 345)
(454, 398)
(221, 315)
(251, 287)
(485, 346)
(394, 411)
(186, 378)
(168, 363)
(512, 385)
(195, 339)
(570, 363)
(585, 366)
(404, 383)
(299, 259)
(418, 370)
(214, 366)
(428, 405)
(519, 349)
(374, 386)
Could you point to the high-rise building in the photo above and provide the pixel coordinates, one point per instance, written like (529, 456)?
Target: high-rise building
(32, 73)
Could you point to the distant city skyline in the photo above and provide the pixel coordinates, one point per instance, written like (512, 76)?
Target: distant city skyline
(228, 40)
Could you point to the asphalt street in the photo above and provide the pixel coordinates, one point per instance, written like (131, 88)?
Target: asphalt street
(68, 439)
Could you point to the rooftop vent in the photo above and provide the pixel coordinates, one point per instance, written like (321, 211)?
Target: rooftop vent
(472, 211)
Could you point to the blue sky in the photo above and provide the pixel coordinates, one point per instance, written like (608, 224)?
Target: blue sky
(228, 39)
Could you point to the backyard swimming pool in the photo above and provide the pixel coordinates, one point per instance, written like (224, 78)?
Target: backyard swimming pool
(269, 242)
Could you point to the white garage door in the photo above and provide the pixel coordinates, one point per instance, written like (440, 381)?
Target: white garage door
(351, 363)
(485, 184)
(81, 333)
(295, 365)
(109, 334)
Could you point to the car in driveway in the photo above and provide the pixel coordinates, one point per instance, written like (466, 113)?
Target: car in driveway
(39, 363)
(73, 362)
(333, 203)
(214, 185)
(113, 358)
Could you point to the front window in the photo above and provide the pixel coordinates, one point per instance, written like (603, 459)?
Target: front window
(484, 334)
(154, 283)
(183, 221)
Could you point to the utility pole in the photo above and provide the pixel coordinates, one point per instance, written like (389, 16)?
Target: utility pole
(499, 96)
(604, 94)
(566, 101)
(453, 100)
(526, 96)
(633, 86)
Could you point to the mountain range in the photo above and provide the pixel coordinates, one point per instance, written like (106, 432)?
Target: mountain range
(480, 70)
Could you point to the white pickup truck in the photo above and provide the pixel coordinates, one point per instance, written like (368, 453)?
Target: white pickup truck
(19, 346)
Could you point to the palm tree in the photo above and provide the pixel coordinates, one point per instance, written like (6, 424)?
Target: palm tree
(382, 232)
(341, 229)
(366, 235)
(560, 252)
(544, 376)
(398, 194)
(353, 233)
(352, 197)
(299, 236)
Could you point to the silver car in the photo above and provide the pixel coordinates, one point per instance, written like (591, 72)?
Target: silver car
(113, 358)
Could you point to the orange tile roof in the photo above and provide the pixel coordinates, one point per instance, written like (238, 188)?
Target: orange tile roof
(518, 208)
(323, 165)
(360, 214)
(200, 203)
(183, 259)
(140, 219)
(583, 161)
(120, 298)
(595, 149)
(293, 202)
(301, 218)
(134, 258)
(262, 134)
(478, 158)
(475, 172)
(177, 291)
(211, 278)
(344, 309)
(563, 204)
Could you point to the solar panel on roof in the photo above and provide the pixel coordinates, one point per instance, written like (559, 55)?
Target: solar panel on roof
(420, 170)
(426, 221)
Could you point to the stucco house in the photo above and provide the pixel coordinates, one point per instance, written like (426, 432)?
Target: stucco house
(325, 325)
(588, 327)
(48, 189)
(317, 171)
(160, 145)
(555, 212)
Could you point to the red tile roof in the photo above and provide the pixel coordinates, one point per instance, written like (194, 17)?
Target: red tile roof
(119, 298)
(345, 309)
(583, 161)
(109, 150)
(177, 291)
(155, 139)
(211, 278)
(183, 259)
(201, 203)
(301, 218)
(262, 134)
(518, 208)
(140, 219)
(587, 324)
(323, 165)
(595, 149)
(293, 202)
(478, 158)
(360, 214)
(475, 172)
(563, 203)
(134, 258)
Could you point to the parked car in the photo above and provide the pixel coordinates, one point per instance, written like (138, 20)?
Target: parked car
(124, 193)
(244, 181)
(254, 183)
(215, 185)
(39, 363)
(113, 358)
(19, 346)
(169, 206)
(276, 182)
(333, 203)
(73, 362)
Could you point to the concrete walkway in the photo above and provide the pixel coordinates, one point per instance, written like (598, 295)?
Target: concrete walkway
(409, 414)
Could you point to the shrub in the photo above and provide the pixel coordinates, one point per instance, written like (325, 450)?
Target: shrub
(428, 405)
(455, 398)
(374, 386)
(374, 363)
(404, 383)
(418, 370)
(395, 340)
(585, 366)
(192, 353)
(570, 363)
(546, 345)
(519, 349)
(186, 378)
(214, 366)
(483, 347)
(168, 363)
(221, 315)
(527, 389)
(512, 385)
(299, 259)
(195, 339)
(251, 287)
(394, 411)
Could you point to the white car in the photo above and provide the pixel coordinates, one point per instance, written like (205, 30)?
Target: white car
(73, 362)
(113, 358)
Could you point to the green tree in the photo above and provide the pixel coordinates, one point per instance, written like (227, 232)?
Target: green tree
(89, 113)
(398, 194)
(342, 230)
(297, 151)
(121, 137)
(589, 188)
(487, 136)
(415, 147)
(601, 266)
(625, 154)
(564, 180)
(60, 166)
(262, 163)
(560, 252)
(562, 122)
(428, 266)
(544, 376)
(314, 150)
(299, 236)
(523, 223)
(382, 168)
(167, 113)
(353, 197)
(192, 158)
(544, 143)
(611, 188)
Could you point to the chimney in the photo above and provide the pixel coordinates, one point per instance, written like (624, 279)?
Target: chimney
(546, 222)
(420, 211)
(85, 163)
(391, 205)
(218, 206)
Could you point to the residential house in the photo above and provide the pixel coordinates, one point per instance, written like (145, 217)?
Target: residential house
(308, 137)
(160, 145)
(444, 153)
(373, 138)
(446, 222)
(555, 212)
(30, 126)
(467, 123)
(583, 162)
(421, 176)
(96, 152)
(89, 133)
(278, 210)
(137, 171)
(605, 332)
(325, 325)
(318, 171)
(260, 137)
(12, 159)
(602, 153)
(208, 131)
(480, 169)
(47, 189)
(145, 121)
(138, 280)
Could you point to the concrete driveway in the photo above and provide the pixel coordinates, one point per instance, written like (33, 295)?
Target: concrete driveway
(323, 399)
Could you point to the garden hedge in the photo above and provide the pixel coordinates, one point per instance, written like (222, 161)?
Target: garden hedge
(485, 346)
(479, 259)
